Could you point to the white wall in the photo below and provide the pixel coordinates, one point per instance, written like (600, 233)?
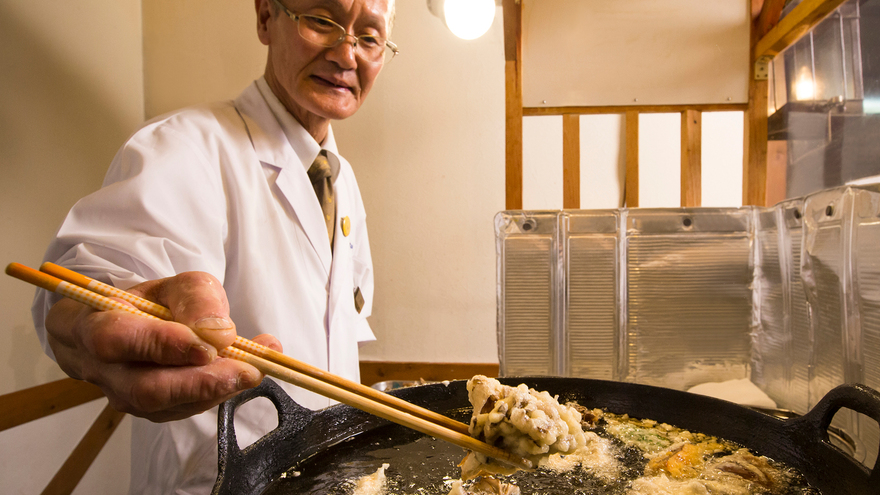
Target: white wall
(197, 51)
(428, 151)
(70, 74)
(646, 51)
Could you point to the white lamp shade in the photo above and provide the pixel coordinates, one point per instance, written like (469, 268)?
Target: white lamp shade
(467, 19)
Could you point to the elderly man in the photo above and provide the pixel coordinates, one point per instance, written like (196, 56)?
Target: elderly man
(241, 211)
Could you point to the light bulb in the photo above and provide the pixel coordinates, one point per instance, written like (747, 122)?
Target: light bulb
(804, 89)
(469, 19)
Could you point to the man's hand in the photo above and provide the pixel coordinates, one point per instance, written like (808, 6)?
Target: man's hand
(159, 370)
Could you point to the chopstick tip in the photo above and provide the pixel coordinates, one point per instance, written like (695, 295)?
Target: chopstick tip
(15, 268)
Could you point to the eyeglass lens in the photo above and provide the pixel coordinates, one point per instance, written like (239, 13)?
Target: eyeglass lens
(325, 32)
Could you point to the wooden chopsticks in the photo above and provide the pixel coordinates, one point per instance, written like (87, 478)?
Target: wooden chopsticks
(97, 295)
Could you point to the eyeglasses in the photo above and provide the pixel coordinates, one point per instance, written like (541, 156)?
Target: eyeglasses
(324, 32)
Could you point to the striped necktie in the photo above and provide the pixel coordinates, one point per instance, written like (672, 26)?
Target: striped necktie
(322, 180)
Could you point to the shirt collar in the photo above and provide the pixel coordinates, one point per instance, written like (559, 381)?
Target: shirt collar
(303, 144)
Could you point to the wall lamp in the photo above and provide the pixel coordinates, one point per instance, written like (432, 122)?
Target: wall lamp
(467, 19)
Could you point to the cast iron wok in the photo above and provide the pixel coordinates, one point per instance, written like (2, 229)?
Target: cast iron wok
(802, 442)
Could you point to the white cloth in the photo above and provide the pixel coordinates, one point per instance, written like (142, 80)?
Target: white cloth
(223, 189)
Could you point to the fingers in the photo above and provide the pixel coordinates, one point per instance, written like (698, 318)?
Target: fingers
(160, 370)
(269, 341)
(116, 336)
(162, 393)
(144, 387)
(197, 300)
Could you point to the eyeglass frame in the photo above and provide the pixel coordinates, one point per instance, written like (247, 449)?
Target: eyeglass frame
(295, 18)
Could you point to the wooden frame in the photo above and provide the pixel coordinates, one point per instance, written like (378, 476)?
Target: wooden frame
(513, 103)
(27, 405)
(24, 406)
(775, 35)
(769, 36)
(85, 452)
(691, 157)
(631, 183)
(571, 161)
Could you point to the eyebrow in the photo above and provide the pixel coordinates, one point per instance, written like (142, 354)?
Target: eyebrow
(368, 17)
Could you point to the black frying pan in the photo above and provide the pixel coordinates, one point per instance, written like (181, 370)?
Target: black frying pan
(327, 435)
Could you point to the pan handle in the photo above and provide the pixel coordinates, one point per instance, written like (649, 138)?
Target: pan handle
(860, 398)
(232, 460)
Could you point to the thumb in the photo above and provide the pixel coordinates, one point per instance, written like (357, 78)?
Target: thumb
(198, 300)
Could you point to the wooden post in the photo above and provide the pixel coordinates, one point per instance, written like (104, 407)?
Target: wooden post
(755, 155)
(571, 161)
(513, 104)
(770, 35)
(691, 150)
(754, 185)
(75, 467)
(632, 159)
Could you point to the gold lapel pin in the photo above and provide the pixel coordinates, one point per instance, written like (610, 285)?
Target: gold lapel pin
(346, 226)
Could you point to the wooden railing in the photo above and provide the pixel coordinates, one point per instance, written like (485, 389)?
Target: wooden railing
(769, 36)
(24, 406)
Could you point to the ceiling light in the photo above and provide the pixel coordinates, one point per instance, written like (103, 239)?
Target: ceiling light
(467, 19)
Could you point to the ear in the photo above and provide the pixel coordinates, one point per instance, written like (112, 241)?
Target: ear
(265, 12)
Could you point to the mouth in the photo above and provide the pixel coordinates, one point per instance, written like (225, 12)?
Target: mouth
(333, 83)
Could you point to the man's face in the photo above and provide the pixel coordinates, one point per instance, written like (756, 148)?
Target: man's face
(320, 83)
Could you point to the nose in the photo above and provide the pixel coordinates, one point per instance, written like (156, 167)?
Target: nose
(344, 52)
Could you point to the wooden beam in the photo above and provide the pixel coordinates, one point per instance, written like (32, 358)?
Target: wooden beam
(33, 403)
(513, 140)
(622, 109)
(755, 6)
(771, 12)
(571, 161)
(512, 17)
(691, 151)
(373, 372)
(795, 24)
(513, 104)
(76, 465)
(632, 160)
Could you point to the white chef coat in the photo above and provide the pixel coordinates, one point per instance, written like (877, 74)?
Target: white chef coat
(223, 188)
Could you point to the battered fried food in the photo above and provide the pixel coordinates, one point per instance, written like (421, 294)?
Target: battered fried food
(519, 420)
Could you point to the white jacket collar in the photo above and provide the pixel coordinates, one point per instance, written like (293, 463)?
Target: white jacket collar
(300, 140)
(273, 147)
